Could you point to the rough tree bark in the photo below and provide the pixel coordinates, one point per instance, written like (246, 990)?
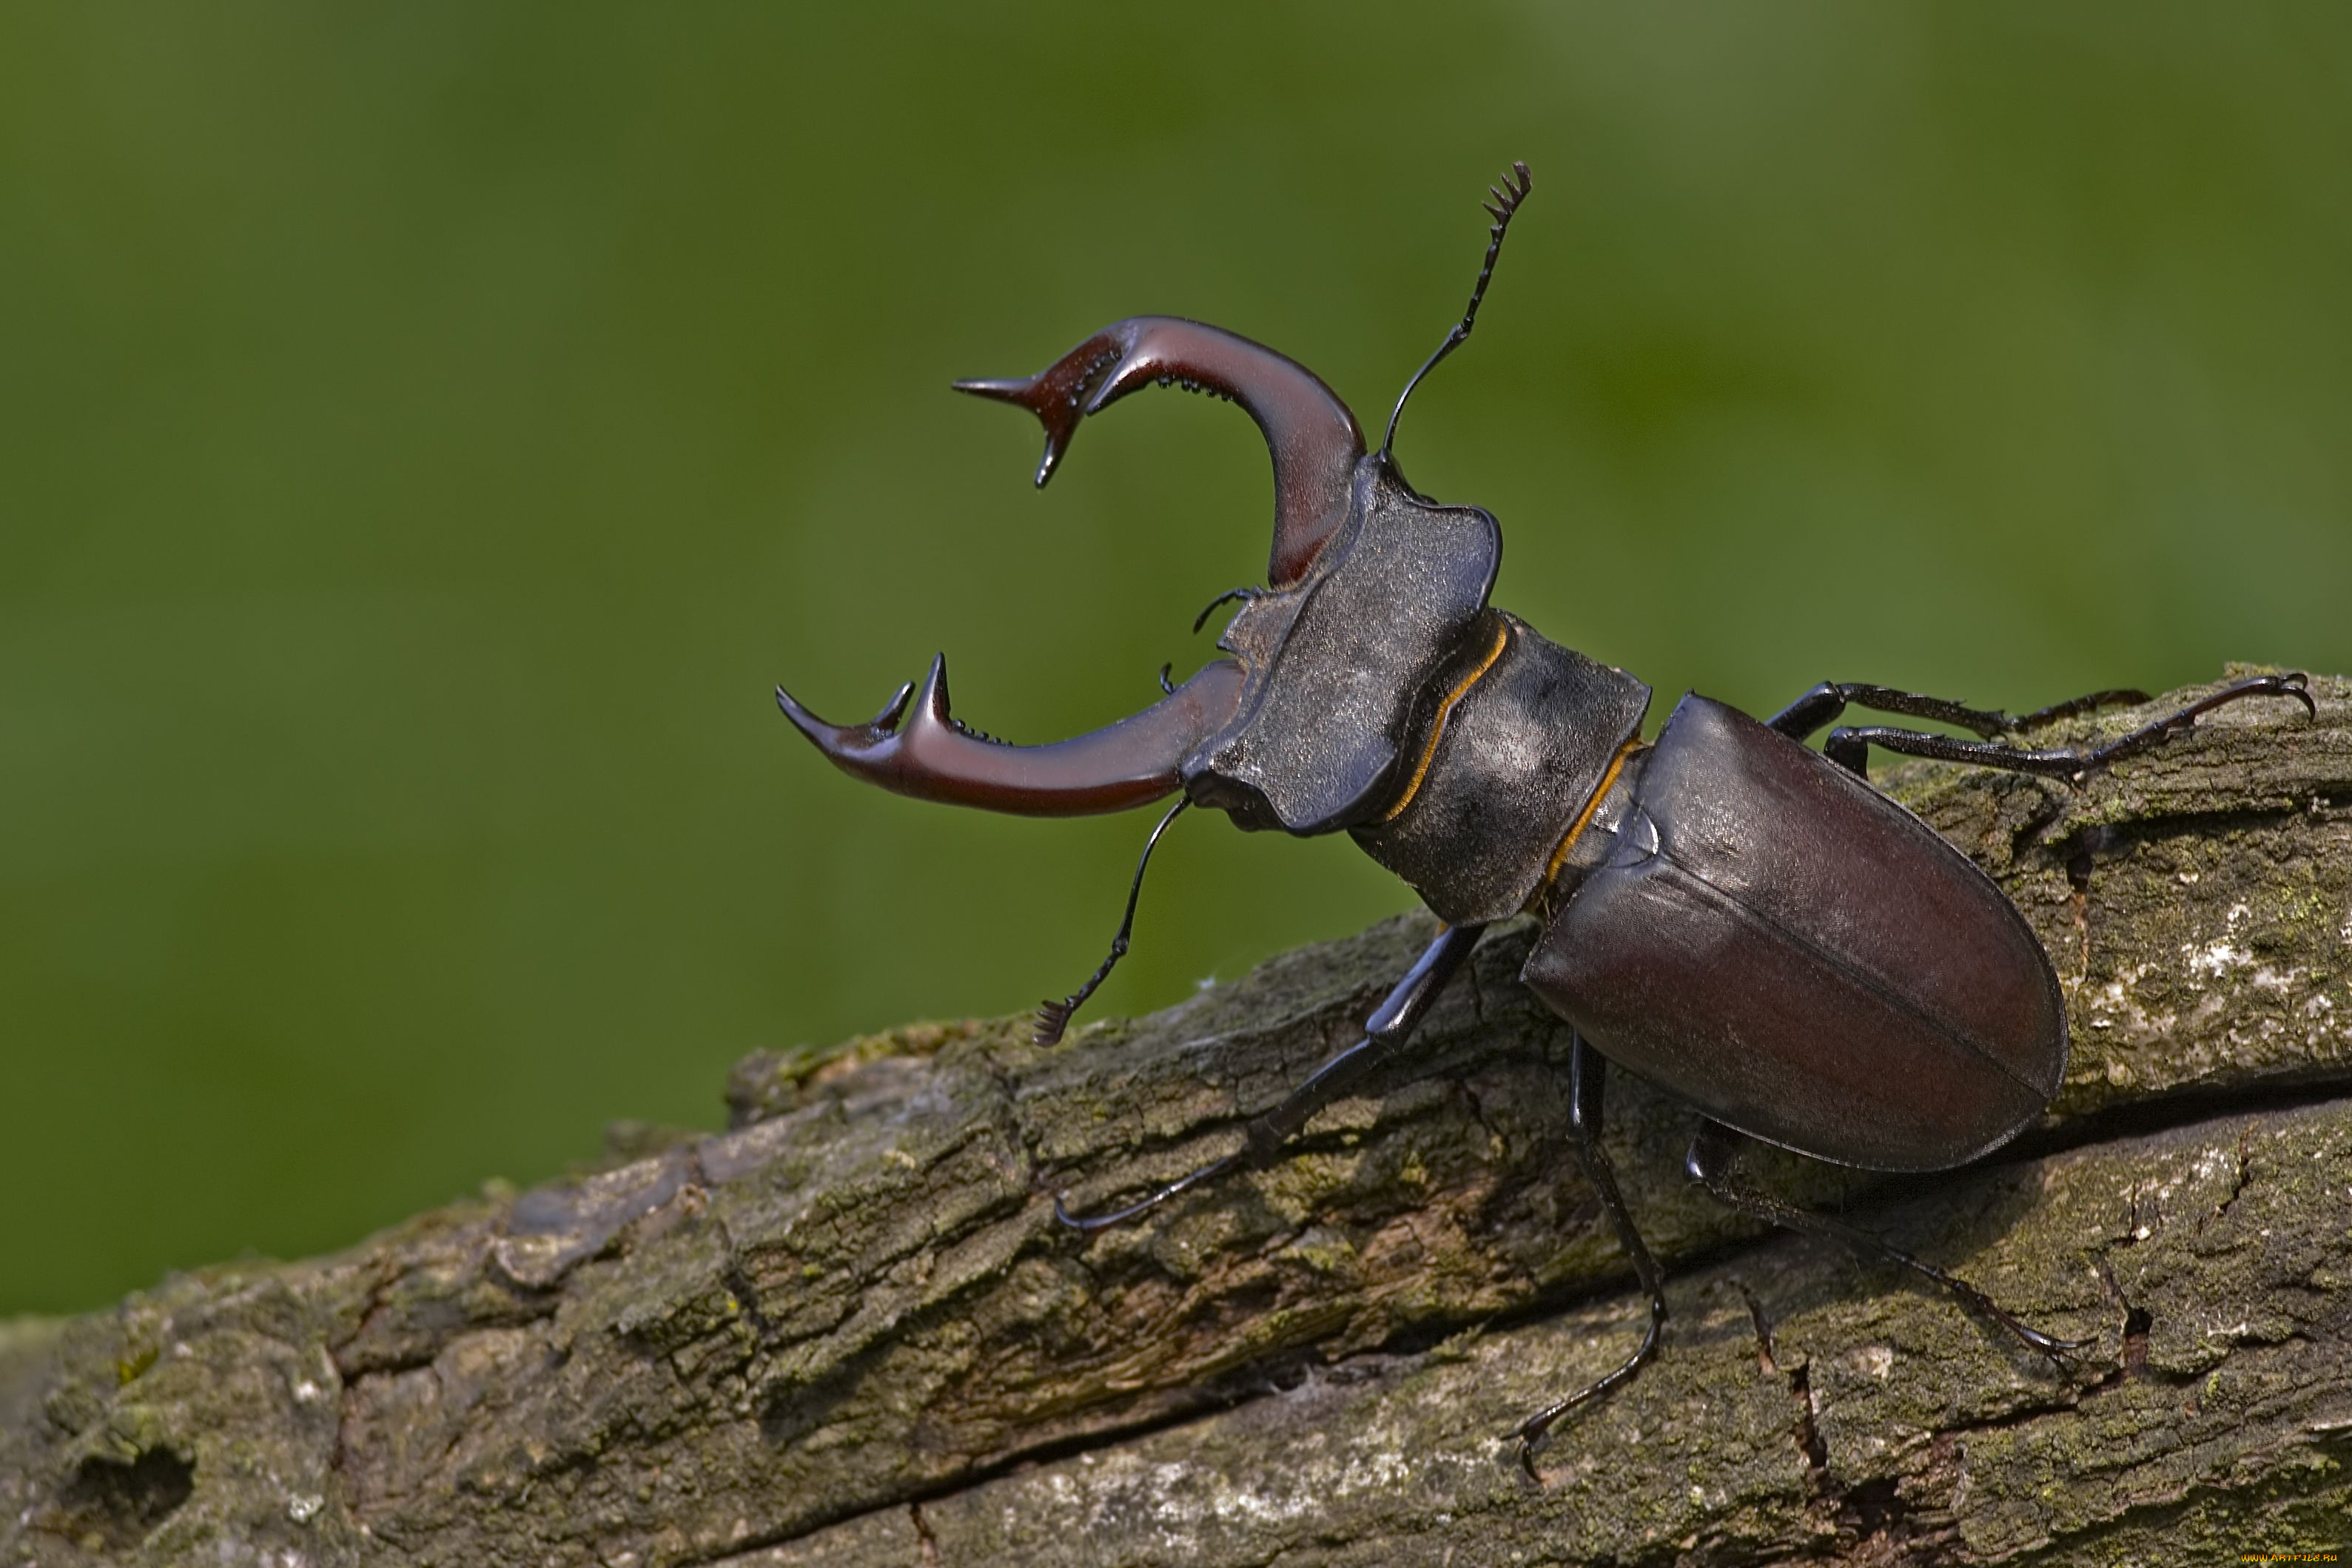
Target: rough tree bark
(848, 1331)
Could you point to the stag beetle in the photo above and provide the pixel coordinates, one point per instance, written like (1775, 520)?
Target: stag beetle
(1736, 917)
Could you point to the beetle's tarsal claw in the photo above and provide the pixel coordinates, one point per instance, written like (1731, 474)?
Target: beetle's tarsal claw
(1148, 1202)
(2294, 684)
(2053, 1347)
(1089, 1223)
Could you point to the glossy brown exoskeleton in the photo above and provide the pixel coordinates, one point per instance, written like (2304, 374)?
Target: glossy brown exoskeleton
(1726, 912)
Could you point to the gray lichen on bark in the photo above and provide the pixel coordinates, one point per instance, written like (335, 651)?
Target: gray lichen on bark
(847, 1330)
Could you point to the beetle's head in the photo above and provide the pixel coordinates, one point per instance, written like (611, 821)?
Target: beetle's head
(1370, 587)
(1374, 594)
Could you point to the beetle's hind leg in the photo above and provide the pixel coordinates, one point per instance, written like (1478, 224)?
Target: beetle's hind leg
(1850, 746)
(1389, 1026)
(1714, 1160)
(1587, 1077)
(1826, 703)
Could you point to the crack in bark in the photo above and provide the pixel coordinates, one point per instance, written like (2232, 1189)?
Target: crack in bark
(2238, 1183)
(1810, 1441)
(1866, 1511)
(932, 1558)
(741, 1286)
(1766, 1361)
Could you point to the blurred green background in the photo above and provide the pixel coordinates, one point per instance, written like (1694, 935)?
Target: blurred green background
(428, 432)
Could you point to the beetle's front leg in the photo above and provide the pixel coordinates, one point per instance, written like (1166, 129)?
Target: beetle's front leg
(1714, 1160)
(1389, 1026)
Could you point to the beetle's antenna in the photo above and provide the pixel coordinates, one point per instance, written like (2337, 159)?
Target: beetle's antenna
(1052, 1017)
(1506, 202)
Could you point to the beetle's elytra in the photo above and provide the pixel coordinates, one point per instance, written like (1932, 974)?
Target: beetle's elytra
(1726, 912)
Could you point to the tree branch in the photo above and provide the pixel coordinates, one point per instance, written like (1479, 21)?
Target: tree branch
(848, 1331)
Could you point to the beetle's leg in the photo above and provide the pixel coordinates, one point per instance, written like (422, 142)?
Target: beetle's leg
(1844, 745)
(1825, 702)
(1387, 1029)
(1052, 1017)
(1587, 1075)
(1714, 1160)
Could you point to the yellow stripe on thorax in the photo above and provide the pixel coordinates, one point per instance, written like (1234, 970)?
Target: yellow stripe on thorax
(1437, 730)
(1584, 818)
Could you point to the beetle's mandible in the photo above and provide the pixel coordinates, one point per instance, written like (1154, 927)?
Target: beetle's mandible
(1736, 917)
